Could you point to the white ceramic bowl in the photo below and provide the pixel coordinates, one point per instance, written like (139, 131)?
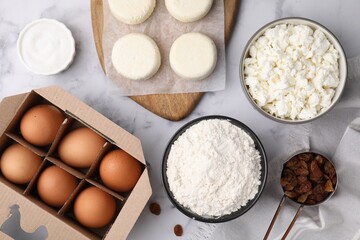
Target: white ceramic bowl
(46, 47)
(314, 25)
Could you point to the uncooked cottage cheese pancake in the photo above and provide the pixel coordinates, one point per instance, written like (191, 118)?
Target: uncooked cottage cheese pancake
(188, 10)
(193, 56)
(136, 56)
(132, 11)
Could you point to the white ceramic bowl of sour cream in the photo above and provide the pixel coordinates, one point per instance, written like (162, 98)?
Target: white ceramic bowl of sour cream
(46, 47)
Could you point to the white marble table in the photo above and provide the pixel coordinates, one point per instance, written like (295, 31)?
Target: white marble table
(86, 81)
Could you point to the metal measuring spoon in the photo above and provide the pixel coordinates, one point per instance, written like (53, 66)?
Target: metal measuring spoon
(308, 179)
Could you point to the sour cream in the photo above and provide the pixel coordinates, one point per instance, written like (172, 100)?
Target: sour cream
(46, 47)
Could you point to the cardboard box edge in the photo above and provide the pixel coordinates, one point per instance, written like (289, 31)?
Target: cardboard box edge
(8, 108)
(129, 215)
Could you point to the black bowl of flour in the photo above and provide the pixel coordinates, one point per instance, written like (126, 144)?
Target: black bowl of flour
(254, 183)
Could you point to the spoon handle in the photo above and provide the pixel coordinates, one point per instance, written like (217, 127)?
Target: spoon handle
(293, 222)
(274, 218)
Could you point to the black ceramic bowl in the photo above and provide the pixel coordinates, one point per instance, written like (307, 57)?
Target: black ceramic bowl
(243, 209)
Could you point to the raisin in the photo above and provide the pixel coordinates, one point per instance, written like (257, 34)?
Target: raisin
(284, 182)
(329, 186)
(303, 164)
(320, 160)
(287, 173)
(302, 179)
(305, 157)
(291, 194)
(310, 201)
(288, 180)
(155, 208)
(303, 188)
(319, 192)
(315, 172)
(178, 230)
(311, 197)
(301, 171)
(292, 163)
(302, 198)
(330, 170)
(334, 180)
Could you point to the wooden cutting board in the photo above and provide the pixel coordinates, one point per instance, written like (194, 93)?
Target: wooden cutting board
(173, 107)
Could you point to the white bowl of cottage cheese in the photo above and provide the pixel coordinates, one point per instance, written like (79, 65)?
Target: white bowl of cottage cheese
(293, 70)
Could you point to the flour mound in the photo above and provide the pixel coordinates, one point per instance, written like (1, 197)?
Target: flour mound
(213, 168)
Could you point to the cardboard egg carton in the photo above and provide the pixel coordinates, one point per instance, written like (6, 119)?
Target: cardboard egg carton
(20, 205)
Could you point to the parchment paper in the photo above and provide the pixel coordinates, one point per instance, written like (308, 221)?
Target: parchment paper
(165, 29)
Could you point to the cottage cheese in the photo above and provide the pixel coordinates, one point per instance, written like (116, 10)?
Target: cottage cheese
(292, 71)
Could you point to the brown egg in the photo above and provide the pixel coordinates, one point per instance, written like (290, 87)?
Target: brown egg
(80, 147)
(55, 186)
(40, 124)
(120, 171)
(18, 164)
(94, 208)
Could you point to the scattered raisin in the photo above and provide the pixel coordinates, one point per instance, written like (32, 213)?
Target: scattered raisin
(178, 230)
(155, 208)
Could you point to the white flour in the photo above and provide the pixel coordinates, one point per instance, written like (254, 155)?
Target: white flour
(213, 168)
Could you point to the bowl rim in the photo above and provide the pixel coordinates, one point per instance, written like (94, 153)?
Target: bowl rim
(247, 48)
(263, 177)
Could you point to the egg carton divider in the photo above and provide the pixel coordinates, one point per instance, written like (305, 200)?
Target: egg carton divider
(63, 128)
(32, 183)
(18, 139)
(73, 171)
